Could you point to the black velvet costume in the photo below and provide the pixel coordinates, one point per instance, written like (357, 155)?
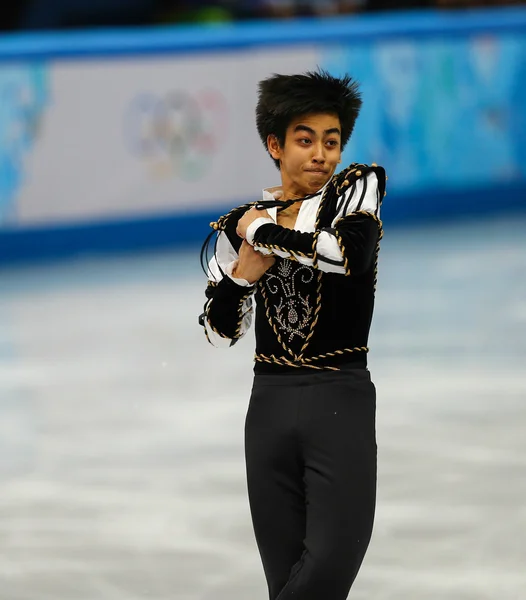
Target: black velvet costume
(313, 308)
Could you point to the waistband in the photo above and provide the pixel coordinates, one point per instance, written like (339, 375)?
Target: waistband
(301, 377)
(352, 360)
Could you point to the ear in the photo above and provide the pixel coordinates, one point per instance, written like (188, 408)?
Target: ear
(273, 146)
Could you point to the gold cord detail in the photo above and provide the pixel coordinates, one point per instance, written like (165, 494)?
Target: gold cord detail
(299, 362)
(281, 249)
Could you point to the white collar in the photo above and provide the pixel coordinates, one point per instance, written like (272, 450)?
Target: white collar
(268, 192)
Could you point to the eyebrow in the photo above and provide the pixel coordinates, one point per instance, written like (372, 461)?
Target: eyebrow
(310, 130)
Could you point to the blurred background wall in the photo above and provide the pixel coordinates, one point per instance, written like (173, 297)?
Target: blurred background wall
(115, 137)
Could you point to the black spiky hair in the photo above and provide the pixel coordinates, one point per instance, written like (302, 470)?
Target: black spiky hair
(282, 98)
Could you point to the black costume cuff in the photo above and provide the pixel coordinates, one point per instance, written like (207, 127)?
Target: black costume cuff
(224, 310)
(276, 237)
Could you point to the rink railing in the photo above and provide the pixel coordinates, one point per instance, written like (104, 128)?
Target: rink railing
(188, 39)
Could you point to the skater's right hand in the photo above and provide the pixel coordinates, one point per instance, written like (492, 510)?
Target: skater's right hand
(251, 264)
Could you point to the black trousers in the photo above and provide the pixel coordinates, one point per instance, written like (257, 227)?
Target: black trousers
(310, 449)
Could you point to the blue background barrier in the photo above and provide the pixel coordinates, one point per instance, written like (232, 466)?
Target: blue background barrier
(444, 112)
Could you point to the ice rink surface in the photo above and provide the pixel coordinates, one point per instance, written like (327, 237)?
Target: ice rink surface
(121, 431)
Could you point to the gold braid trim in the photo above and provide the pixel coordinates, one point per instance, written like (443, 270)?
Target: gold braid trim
(225, 337)
(283, 361)
(336, 353)
(291, 257)
(345, 260)
(314, 251)
(365, 213)
(281, 249)
(220, 224)
(380, 235)
(322, 202)
(314, 321)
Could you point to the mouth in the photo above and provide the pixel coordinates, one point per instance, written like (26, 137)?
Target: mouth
(317, 171)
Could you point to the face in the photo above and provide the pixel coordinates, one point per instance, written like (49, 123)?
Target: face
(310, 155)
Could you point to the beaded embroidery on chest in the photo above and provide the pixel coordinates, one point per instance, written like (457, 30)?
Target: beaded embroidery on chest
(290, 290)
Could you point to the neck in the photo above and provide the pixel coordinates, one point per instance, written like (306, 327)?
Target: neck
(292, 193)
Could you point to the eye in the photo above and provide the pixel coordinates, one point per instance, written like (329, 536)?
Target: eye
(333, 143)
(304, 141)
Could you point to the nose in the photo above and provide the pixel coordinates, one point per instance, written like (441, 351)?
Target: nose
(318, 153)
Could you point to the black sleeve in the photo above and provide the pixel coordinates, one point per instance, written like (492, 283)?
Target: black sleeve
(276, 237)
(358, 236)
(224, 307)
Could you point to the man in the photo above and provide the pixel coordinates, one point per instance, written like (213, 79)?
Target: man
(307, 252)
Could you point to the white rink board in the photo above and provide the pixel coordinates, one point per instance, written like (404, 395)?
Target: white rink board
(123, 138)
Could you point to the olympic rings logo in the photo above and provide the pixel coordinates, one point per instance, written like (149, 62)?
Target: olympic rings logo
(177, 134)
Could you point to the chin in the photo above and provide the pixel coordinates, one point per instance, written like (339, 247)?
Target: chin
(318, 181)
